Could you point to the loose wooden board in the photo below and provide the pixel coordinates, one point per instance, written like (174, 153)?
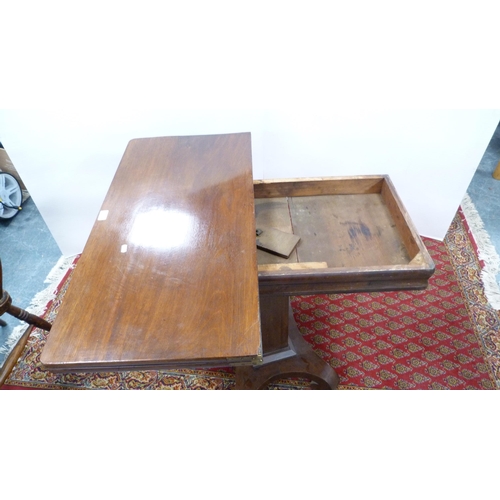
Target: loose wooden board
(276, 242)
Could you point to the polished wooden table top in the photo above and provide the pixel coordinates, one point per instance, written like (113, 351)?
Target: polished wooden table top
(169, 274)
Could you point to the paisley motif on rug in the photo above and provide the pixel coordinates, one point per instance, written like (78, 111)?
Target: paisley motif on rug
(444, 337)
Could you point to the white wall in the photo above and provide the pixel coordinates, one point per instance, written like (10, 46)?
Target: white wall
(68, 158)
(431, 155)
(357, 60)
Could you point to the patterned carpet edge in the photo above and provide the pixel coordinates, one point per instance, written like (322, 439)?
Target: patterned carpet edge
(466, 264)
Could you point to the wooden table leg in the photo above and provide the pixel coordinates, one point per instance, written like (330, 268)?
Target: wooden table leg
(496, 173)
(285, 352)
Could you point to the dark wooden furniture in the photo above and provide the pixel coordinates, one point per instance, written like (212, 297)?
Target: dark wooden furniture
(168, 276)
(356, 236)
(171, 275)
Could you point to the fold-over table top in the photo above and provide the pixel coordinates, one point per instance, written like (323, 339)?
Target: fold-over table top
(169, 274)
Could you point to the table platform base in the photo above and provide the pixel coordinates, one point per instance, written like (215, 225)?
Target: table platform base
(298, 360)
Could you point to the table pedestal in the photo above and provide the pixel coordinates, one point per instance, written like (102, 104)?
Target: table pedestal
(285, 352)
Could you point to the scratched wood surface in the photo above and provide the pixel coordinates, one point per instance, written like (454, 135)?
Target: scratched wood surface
(273, 212)
(346, 231)
(356, 229)
(169, 274)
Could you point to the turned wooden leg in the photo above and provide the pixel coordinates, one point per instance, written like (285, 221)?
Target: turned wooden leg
(7, 307)
(496, 173)
(285, 352)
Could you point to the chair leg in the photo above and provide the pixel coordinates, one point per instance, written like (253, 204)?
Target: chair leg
(7, 307)
(29, 318)
(496, 173)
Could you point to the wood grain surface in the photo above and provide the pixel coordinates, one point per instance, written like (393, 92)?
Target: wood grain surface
(169, 274)
(273, 212)
(357, 225)
(346, 231)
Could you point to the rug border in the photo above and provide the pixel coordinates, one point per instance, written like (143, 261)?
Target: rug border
(486, 251)
(40, 305)
(459, 225)
(461, 218)
(41, 302)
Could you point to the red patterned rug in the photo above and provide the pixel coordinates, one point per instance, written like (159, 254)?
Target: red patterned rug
(445, 337)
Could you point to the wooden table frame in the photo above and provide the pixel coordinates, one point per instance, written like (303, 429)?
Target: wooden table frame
(355, 235)
(397, 260)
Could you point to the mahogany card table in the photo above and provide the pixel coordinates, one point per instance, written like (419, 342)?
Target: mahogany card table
(171, 275)
(168, 276)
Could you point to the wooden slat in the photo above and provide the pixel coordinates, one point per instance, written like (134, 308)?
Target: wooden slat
(279, 188)
(273, 212)
(344, 280)
(292, 266)
(403, 223)
(169, 274)
(277, 242)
